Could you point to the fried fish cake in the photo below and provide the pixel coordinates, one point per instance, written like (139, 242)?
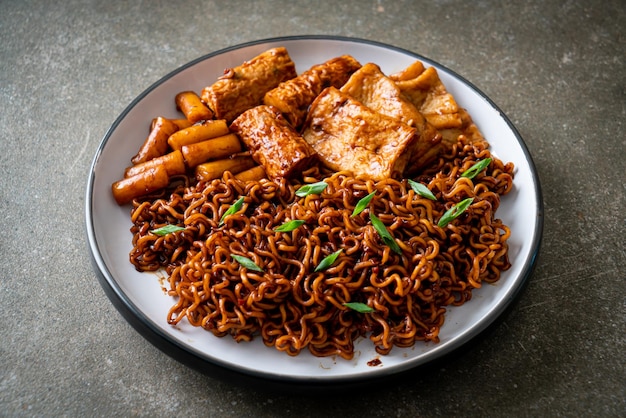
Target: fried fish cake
(370, 86)
(293, 97)
(349, 136)
(273, 142)
(244, 86)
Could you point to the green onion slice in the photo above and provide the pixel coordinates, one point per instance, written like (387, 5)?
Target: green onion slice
(328, 261)
(471, 172)
(313, 188)
(167, 229)
(384, 234)
(362, 204)
(421, 190)
(246, 262)
(359, 307)
(289, 226)
(234, 208)
(454, 212)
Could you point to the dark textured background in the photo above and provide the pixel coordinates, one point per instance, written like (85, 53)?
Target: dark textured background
(68, 68)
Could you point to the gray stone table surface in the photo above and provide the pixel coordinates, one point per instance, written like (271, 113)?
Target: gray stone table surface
(69, 68)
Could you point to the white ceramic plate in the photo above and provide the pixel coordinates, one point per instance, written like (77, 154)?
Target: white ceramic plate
(141, 298)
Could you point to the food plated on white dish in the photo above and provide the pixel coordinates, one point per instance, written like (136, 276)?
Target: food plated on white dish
(145, 298)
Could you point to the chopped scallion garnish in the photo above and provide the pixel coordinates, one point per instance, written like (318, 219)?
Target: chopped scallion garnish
(234, 208)
(473, 171)
(167, 229)
(384, 234)
(289, 226)
(246, 262)
(359, 307)
(454, 212)
(362, 204)
(421, 190)
(328, 261)
(313, 188)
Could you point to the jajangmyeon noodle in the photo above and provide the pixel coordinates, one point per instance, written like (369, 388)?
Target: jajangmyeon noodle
(292, 307)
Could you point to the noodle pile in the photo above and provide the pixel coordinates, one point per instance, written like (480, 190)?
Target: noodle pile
(292, 307)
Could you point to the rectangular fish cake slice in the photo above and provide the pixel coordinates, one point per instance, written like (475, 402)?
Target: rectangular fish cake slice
(244, 86)
(370, 86)
(273, 142)
(349, 136)
(293, 97)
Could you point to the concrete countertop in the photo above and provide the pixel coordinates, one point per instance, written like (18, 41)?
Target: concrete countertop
(69, 68)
